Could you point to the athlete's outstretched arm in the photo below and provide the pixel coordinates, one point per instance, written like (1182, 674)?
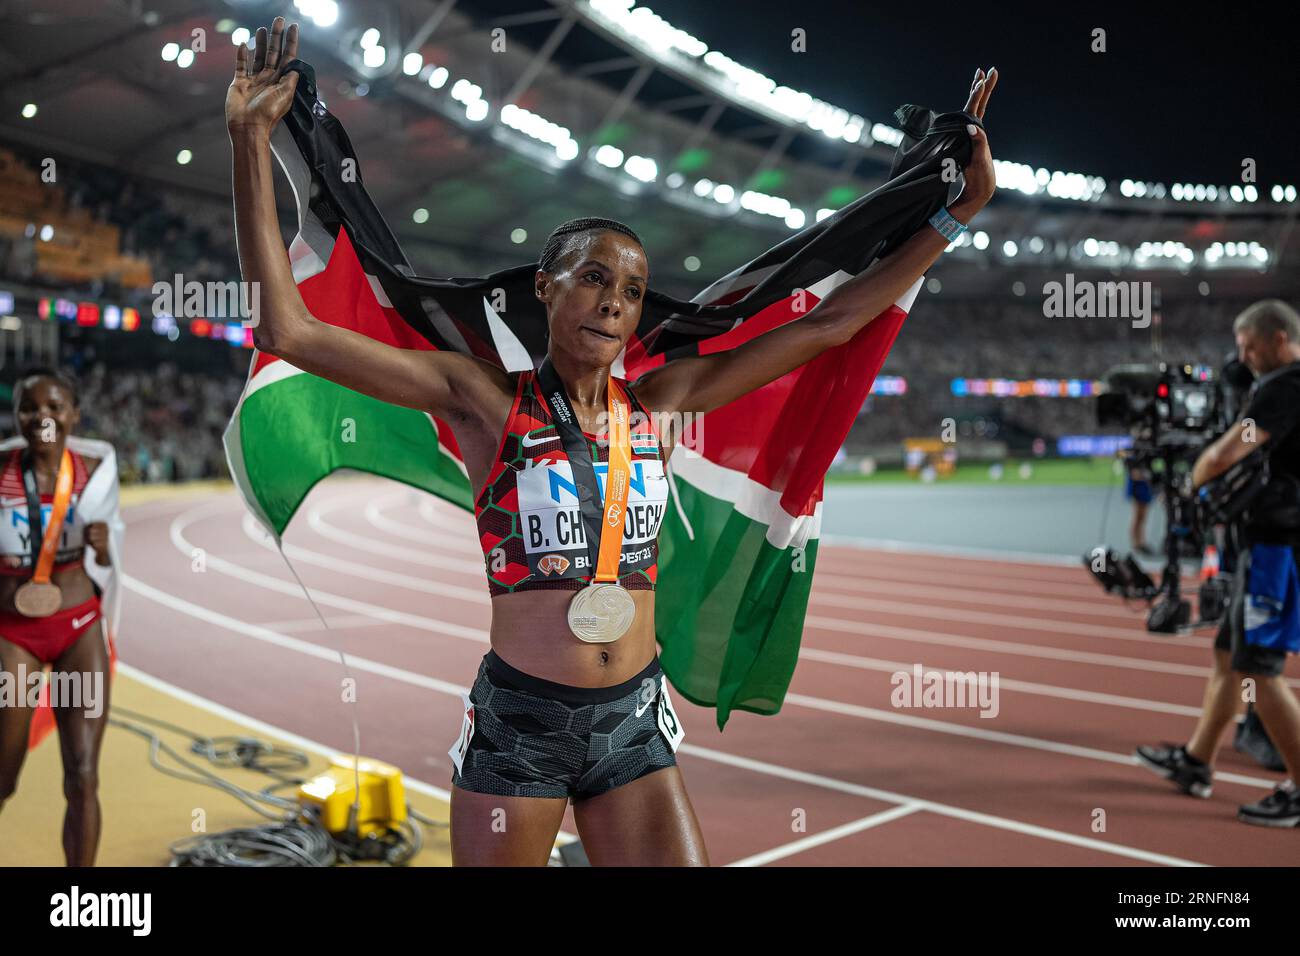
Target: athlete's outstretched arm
(447, 384)
(703, 383)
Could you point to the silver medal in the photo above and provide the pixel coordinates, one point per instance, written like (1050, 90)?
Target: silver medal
(601, 612)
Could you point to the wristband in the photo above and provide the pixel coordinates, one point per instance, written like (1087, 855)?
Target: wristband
(949, 227)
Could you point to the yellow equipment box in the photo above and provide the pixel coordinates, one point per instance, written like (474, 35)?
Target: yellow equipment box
(332, 794)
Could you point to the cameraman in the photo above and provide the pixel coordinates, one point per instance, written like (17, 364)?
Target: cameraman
(1262, 623)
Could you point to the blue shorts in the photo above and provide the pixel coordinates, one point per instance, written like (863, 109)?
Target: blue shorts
(1262, 623)
(522, 736)
(1139, 489)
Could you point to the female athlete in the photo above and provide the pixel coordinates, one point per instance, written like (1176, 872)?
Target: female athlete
(569, 704)
(49, 607)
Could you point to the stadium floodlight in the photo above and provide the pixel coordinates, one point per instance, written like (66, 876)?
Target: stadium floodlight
(518, 235)
(1036, 244)
(438, 78)
(240, 36)
(642, 168)
(823, 213)
(370, 38)
(980, 240)
(225, 25)
(466, 92)
(184, 157)
(1009, 248)
(47, 232)
(691, 263)
(420, 215)
(29, 110)
(674, 180)
(324, 13)
(1236, 193)
(610, 156)
(374, 57)
(1251, 193)
(185, 58)
(723, 193)
(412, 63)
(1276, 193)
(886, 134)
(567, 150)
(476, 110)
(796, 218)
(170, 51)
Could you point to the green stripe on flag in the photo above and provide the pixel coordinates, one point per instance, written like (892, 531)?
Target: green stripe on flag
(729, 607)
(296, 431)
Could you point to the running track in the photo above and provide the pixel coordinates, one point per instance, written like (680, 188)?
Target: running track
(212, 608)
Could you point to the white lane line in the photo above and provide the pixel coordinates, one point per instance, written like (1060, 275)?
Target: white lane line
(291, 589)
(276, 639)
(271, 730)
(816, 703)
(1007, 683)
(718, 756)
(829, 836)
(945, 639)
(313, 623)
(386, 549)
(992, 736)
(907, 634)
(957, 813)
(1036, 625)
(1039, 625)
(961, 577)
(1103, 606)
(356, 569)
(1029, 558)
(454, 538)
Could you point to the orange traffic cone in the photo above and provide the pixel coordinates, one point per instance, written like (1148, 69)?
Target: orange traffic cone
(1210, 563)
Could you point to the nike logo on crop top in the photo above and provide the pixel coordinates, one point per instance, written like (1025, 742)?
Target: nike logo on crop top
(529, 523)
(15, 529)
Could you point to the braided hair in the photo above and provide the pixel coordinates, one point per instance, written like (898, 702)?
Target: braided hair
(560, 242)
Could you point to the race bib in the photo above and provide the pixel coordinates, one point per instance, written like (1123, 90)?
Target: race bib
(550, 520)
(669, 725)
(461, 746)
(15, 531)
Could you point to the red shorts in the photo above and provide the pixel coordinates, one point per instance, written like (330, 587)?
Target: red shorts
(48, 637)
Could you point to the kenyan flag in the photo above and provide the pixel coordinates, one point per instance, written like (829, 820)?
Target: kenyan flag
(739, 542)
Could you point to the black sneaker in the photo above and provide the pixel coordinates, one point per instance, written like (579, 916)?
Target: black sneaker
(1281, 808)
(1252, 739)
(1174, 763)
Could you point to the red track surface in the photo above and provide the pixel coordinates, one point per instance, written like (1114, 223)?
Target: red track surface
(399, 577)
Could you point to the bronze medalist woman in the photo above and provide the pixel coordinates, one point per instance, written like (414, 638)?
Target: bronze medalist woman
(569, 704)
(49, 606)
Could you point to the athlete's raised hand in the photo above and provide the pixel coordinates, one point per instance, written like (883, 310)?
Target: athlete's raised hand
(261, 93)
(981, 179)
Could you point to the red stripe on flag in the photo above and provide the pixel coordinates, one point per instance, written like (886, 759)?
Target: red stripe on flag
(341, 295)
(786, 434)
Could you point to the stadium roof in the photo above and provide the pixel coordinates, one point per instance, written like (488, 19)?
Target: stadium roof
(478, 123)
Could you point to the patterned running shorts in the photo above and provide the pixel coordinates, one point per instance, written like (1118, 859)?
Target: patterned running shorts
(522, 736)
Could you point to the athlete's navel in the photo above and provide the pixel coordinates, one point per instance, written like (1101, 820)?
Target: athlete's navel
(604, 657)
